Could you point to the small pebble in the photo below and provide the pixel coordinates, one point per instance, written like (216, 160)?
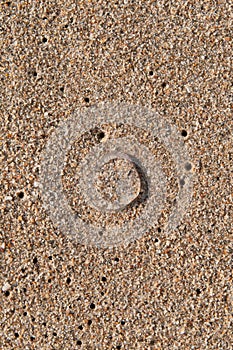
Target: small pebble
(6, 287)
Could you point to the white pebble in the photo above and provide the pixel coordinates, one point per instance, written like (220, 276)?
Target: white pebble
(6, 286)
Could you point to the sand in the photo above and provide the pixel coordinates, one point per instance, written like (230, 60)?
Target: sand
(160, 290)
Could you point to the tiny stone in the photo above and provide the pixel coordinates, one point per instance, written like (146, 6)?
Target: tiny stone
(6, 287)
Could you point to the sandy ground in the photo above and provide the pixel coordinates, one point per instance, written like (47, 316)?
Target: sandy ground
(159, 291)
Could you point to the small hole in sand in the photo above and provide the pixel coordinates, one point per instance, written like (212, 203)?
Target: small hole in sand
(101, 135)
(188, 166)
(182, 182)
(20, 195)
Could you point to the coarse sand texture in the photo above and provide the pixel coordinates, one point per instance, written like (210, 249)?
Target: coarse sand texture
(116, 211)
